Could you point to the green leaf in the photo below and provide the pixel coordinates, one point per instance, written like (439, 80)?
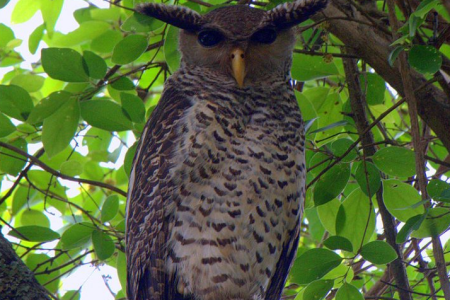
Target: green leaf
(348, 292)
(327, 215)
(425, 7)
(128, 162)
(103, 244)
(64, 64)
(121, 264)
(318, 289)
(395, 161)
(318, 163)
(77, 235)
(171, 53)
(34, 233)
(368, 178)
(96, 66)
(106, 42)
(331, 184)
(412, 224)
(134, 107)
(29, 82)
(24, 10)
(41, 263)
(59, 129)
(373, 87)
(316, 229)
(3, 3)
(436, 188)
(6, 126)
(436, 222)
(338, 243)
(400, 199)
(141, 23)
(21, 197)
(48, 106)
(123, 84)
(34, 217)
(83, 34)
(356, 219)
(71, 168)
(313, 265)
(445, 196)
(35, 38)
(394, 54)
(110, 208)
(109, 14)
(129, 49)
(6, 35)
(72, 295)
(425, 59)
(340, 146)
(11, 162)
(308, 67)
(46, 181)
(15, 102)
(331, 126)
(413, 24)
(50, 10)
(105, 114)
(378, 252)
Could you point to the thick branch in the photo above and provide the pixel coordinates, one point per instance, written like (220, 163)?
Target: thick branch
(373, 46)
(17, 281)
(419, 152)
(359, 115)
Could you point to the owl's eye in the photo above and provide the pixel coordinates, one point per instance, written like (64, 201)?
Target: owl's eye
(209, 38)
(265, 36)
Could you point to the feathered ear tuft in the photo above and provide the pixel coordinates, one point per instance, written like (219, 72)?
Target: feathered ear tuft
(293, 13)
(178, 16)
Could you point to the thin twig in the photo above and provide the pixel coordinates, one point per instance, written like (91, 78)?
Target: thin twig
(56, 173)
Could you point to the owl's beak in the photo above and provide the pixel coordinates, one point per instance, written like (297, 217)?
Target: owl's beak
(238, 65)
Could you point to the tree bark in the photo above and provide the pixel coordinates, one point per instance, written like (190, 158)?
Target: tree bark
(16, 279)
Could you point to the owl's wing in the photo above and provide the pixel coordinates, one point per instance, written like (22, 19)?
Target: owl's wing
(150, 192)
(287, 257)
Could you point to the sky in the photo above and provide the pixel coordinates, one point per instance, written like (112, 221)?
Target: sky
(87, 277)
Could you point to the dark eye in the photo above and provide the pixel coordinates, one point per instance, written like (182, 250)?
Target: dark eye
(265, 36)
(209, 38)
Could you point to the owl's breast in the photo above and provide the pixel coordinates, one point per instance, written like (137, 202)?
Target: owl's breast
(240, 185)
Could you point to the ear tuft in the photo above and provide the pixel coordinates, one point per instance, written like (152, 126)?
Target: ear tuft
(178, 16)
(293, 13)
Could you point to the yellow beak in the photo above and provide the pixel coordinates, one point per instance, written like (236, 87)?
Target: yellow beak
(238, 65)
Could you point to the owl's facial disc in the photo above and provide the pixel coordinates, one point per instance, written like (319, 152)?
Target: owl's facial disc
(238, 65)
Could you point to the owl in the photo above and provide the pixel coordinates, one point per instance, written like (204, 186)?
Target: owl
(217, 186)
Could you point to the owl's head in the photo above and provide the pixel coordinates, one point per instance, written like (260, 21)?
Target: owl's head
(239, 41)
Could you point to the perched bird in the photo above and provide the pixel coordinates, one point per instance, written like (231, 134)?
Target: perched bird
(218, 183)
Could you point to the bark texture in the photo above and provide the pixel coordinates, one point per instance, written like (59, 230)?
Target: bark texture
(16, 280)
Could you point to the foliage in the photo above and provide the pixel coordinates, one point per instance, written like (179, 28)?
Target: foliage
(68, 128)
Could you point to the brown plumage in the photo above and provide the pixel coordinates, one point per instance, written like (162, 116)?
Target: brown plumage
(216, 192)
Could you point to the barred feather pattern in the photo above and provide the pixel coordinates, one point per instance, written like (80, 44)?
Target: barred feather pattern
(217, 190)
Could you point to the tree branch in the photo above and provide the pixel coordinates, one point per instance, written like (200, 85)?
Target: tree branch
(54, 172)
(373, 46)
(357, 103)
(17, 281)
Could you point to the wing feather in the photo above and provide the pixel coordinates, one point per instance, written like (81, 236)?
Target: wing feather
(149, 194)
(287, 257)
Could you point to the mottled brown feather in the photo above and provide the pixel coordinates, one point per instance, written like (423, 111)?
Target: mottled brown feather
(147, 225)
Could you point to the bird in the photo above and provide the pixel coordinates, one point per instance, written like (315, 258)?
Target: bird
(217, 188)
